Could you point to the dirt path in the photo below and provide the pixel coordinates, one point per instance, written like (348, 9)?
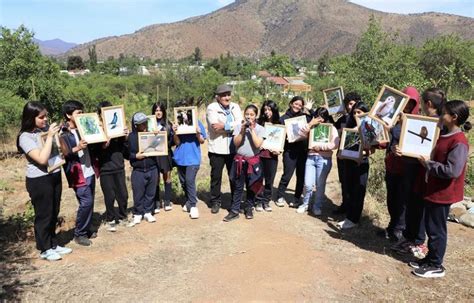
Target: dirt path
(279, 256)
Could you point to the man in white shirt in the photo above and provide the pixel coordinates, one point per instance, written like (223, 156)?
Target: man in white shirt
(222, 116)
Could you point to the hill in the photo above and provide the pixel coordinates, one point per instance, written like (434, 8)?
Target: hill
(300, 28)
(54, 47)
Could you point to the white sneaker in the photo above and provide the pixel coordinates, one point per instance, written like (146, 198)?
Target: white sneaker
(168, 207)
(317, 211)
(302, 209)
(111, 226)
(346, 224)
(50, 255)
(149, 218)
(137, 219)
(280, 202)
(194, 213)
(156, 211)
(62, 250)
(185, 207)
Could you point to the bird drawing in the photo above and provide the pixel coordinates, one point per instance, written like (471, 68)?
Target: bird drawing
(386, 107)
(155, 142)
(113, 123)
(423, 134)
(272, 135)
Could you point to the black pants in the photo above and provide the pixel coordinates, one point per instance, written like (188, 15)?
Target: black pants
(415, 230)
(340, 172)
(217, 163)
(114, 188)
(239, 183)
(435, 221)
(269, 166)
(293, 160)
(395, 203)
(355, 177)
(168, 190)
(45, 195)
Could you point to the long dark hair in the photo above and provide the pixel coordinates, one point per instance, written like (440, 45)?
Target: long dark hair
(102, 104)
(460, 109)
(162, 108)
(351, 121)
(437, 97)
(31, 110)
(323, 113)
(275, 114)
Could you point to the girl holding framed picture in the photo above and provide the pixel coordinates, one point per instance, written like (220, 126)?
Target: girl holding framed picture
(44, 188)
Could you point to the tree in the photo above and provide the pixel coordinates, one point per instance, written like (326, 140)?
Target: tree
(278, 65)
(197, 56)
(92, 58)
(448, 62)
(75, 62)
(26, 73)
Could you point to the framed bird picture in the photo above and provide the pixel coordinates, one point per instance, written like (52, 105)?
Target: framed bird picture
(333, 99)
(89, 128)
(152, 125)
(372, 130)
(418, 136)
(153, 144)
(113, 121)
(390, 102)
(275, 135)
(56, 157)
(350, 146)
(321, 133)
(186, 119)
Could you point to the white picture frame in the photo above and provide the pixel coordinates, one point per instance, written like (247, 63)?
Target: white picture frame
(186, 119)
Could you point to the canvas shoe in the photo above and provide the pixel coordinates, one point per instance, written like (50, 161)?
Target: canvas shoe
(259, 207)
(137, 219)
(302, 209)
(83, 240)
(111, 226)
(62, 250)
(231, 216)
(429, 271)
(194, 213)
(185, 207)
(267, 207)
(168, 205)
(156, 211)
(248, 213)
(280, 202)
(346, 224)
(149, 218)
(50, 255)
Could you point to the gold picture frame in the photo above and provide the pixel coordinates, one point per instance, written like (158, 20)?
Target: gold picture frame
(334, 100)
(388, 105)
(113, 121)
(322, 133)
(153, 143)
(414, 128)
(350, 138)
(275, 136)
(186, 119)
(89, 127)
(152, 125)
(372, 135)
(56, 158)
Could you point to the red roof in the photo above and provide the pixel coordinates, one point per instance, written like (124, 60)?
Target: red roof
(278, 80)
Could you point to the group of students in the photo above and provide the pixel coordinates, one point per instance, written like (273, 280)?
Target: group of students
(419, 191)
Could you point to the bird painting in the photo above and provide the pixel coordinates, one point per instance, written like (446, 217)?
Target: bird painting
(272, 135)
(386, 107)
(113, 123)
(156, 141)
(423, 134)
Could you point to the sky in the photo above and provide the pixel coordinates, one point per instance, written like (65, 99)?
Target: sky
(81, 21)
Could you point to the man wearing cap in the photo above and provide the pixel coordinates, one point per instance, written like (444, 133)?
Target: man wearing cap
(222, 116)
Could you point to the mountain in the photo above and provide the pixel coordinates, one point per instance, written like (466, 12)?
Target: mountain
(54, 47)
(299, 28)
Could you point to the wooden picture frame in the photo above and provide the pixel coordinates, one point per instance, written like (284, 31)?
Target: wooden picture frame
(152, 125)
(56, 158)
(186, 119)
(388, 105)
(89, 127)
(419, 135)
(113, 121)
(322, 133)
(350, 146)
(293, 128)
(372, 130)
(153, 143)
(334, 100)
(275, 136)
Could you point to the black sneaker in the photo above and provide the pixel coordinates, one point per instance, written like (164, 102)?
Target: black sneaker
(429, 271)
(82, 240)
(215, 208)
(395, 236)
(267, 207)
(231, 216)
(248, 214)
(92, 234)
(417, 264)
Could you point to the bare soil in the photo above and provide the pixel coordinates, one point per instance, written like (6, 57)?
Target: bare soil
(279, 256)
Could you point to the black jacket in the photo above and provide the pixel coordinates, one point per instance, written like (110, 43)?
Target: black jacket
(299, 146)
(111, 158)
(145, 164)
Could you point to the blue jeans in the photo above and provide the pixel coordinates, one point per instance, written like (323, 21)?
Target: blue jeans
(316, 172)
(187, 178)
(85, 197)
(144, 188)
